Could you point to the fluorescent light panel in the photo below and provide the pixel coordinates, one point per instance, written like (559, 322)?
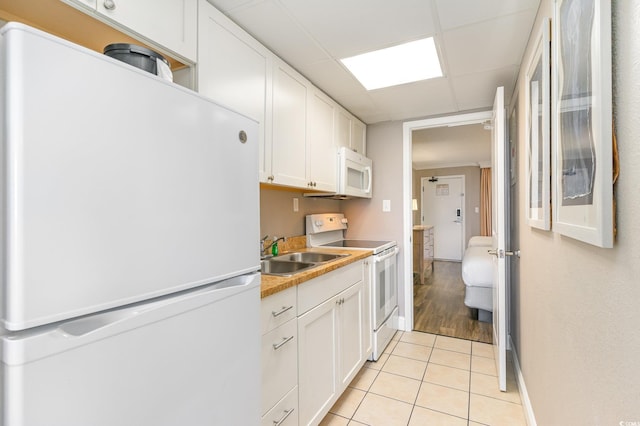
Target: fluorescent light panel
(405, 63)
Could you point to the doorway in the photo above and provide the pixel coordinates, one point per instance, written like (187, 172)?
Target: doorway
(406, 321)
(443, 201)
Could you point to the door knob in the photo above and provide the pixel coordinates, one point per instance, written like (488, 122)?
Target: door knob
(500, 253)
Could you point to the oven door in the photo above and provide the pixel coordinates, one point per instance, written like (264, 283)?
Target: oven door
(385, 285)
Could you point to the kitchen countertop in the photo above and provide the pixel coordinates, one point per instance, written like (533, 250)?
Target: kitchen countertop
(272, 284)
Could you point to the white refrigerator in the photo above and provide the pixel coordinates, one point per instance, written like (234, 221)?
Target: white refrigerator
(130, 221)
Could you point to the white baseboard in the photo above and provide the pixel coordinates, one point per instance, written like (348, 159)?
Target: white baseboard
(401, 324)
(524, 395)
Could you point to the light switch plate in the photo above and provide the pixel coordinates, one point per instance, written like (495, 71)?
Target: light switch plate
(386, 205)
(295, 204)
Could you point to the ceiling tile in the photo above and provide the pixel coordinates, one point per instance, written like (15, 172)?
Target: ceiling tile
(457, 13)
(489, 45)
(267, 22)
(475, 91)
(415, 100)
(227, 5)
(347, 28)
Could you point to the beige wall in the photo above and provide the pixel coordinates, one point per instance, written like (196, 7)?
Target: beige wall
(384, 147)
(277, 217)
(471, 192)
(577, 332)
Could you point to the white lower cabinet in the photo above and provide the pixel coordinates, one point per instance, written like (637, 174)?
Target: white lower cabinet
(279, 356)
(330, 339)
(309, 360)
(285, 412)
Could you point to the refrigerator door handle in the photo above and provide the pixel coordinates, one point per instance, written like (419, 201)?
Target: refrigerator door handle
(49, 340)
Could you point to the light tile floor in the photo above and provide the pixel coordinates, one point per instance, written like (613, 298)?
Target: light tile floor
(424, 379)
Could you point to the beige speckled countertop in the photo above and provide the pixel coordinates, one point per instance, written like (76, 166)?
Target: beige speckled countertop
(272, 284)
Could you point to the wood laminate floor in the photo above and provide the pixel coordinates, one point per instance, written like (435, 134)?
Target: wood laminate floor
(438, 305)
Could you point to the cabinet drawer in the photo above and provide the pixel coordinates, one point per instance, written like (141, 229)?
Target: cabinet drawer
(285, 413)
(313, 292)
(279, 363)
(277, 309)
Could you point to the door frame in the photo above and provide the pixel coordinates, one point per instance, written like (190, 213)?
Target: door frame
(463, 235)
(405, 322)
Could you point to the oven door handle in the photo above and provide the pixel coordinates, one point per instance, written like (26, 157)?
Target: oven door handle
(378, 259)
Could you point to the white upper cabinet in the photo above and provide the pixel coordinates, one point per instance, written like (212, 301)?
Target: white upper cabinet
(350, 132)
(322, 152)
(235, 70)
(171, 24)
(288, 145)
(358, 136)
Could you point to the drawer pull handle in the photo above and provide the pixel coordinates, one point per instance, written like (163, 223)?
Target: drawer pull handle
(277, 346)
(286, 414)
(282, 311)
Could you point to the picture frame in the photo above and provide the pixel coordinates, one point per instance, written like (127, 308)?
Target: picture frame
(582, 169)
(513, 139)
(538, 126)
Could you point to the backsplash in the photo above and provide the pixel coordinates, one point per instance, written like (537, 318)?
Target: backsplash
(277, 217)
(291, 244)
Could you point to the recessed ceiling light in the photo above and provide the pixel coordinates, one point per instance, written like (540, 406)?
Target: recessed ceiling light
(405, 63)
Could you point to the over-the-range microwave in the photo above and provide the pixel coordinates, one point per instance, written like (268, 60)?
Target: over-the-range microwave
(354, 176)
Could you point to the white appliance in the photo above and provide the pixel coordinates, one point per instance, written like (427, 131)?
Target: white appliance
(326, 230)
(354, 177)
(129, 275)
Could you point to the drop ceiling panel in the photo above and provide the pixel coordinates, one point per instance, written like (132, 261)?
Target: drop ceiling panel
(478, 90)
(489, 45)
(346, 28)
(416, 99)
(268, 22)
(457, 13)
(227, 5)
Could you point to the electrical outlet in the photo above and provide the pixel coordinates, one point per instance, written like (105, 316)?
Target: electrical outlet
(295, 204)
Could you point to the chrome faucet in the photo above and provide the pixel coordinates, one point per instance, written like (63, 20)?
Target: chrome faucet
(262, 249)
(273, 242)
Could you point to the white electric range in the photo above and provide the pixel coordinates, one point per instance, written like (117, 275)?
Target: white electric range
(327, 230)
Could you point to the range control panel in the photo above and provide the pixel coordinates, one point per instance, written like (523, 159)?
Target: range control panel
(325, 222)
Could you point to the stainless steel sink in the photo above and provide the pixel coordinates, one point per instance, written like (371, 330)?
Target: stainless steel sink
(284, 268)
(289, 264)
(308, 256)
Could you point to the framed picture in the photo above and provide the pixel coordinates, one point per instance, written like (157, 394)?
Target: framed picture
(582, 121)
(513, 140)
(538, 122)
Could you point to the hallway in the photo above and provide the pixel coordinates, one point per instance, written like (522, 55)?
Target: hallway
(439, 305)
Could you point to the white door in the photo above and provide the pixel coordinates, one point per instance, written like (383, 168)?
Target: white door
(443, 207)
(499, 231)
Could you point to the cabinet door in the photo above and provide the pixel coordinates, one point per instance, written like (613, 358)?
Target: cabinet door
(169, 23)
(289, 127)
(343, 128)
(358, 136)
(317, 346)
(350, 319)
(322, 153)
(232, 70)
